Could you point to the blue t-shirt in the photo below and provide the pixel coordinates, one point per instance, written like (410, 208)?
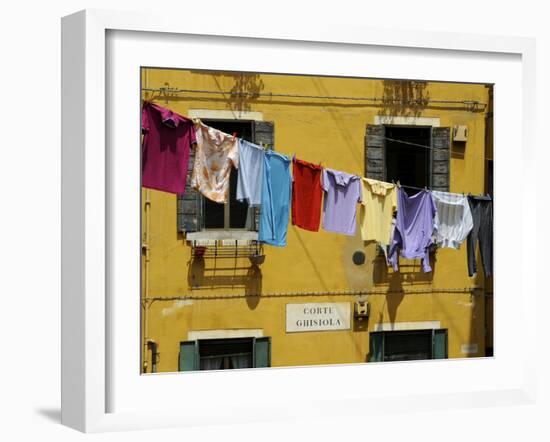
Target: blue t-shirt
(276, 192)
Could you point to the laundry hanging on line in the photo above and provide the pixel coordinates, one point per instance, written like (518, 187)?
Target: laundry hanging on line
(276, 190)
(167, 139)
(251, 170)
(264, 178)
(414, 227)
(215, 154)
(378, 203)
(482, 232)
(307, 194)
(453, 219)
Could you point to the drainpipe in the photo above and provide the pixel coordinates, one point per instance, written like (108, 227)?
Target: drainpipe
(146, 249)
(154, 352)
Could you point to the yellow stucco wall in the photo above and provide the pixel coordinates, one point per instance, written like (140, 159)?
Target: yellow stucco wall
(331, 132)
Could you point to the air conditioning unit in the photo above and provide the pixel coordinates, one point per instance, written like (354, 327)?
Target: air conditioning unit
(361, 310)
(460, 133)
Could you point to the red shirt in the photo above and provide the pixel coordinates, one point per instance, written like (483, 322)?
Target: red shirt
(165, 149)
(306, 195)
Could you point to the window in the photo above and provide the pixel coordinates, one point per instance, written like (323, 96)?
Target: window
(406, 161)
(234, 214)
(408, 345)
(395, 153)
(195, 213)
(225, 354)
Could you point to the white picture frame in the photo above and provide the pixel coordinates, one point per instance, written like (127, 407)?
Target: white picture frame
(87, 220)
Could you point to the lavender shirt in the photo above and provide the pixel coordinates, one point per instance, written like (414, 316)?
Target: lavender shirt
(342, 193)
(414, 228)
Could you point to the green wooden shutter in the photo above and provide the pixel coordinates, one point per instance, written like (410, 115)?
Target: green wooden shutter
(189, 356)
(189, 209)
(375, 158)
(439, 342)
(264, 134)
(441, 158)
(376, 351)
(262, 352)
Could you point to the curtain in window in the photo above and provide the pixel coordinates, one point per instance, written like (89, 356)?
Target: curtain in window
(240, 361)
(211, 363)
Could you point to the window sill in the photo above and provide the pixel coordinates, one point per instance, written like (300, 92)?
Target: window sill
(236, 235)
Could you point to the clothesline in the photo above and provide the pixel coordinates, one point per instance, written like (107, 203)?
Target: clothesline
(197, 120)
(418, 145)
(427, 188)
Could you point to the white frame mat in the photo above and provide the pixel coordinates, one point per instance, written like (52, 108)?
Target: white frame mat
(100, 385)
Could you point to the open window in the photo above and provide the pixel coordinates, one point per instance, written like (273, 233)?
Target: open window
(225, 354)
(198, 214)
(406, 161)
(234, 214)
(408, 345)
(417, 156)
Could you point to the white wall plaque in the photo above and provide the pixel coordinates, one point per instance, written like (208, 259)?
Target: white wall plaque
(318, 316)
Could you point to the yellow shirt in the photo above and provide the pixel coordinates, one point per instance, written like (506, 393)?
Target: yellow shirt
(379, 200)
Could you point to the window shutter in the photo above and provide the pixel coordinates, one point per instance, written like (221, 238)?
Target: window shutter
(264, 134)
(374, 152)
(439, 341)
(189, 356)
(376, 342)
(189, 211)
(262, 352)
(441, 157)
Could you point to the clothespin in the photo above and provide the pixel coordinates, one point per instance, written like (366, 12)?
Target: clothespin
(398, 184)
(235, 134)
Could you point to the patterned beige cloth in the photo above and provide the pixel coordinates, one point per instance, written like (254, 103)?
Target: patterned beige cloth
(216, 152)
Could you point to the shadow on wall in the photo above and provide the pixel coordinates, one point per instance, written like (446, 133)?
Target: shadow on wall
(225, 273)
(245, 90)
(253, 287)
(410, 271)
(405, 98)
(239, 97)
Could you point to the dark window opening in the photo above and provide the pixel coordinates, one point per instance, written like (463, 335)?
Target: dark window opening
(235, 214)
(408, 346)
(407, 163)
(226, 354)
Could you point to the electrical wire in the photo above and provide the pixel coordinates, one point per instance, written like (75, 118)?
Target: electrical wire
(166, 90)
